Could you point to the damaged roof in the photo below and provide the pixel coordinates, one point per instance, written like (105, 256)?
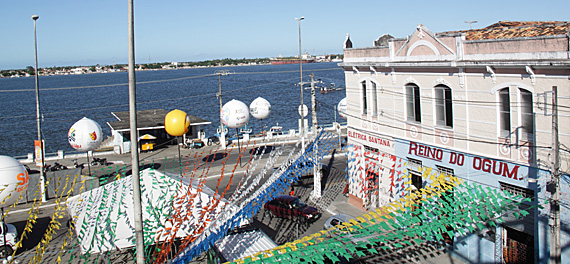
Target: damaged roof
(515, 29)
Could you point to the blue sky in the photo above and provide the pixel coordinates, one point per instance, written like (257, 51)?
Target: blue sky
(72, 33)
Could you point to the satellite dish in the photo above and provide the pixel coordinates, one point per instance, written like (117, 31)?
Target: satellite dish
(176, 123)
(235, 114)
(341, 108)
(13, 180)
(260, 108)
(85, 135)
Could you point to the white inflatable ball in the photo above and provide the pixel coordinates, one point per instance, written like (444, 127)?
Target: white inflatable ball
(235, 114)
(13, 180)
(260, 108)
(85, 135)
(341, 108)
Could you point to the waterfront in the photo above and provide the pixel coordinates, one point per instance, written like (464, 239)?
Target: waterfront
(66, 99)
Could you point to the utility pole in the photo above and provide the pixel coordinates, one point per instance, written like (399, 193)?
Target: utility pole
(555, 250)
(316, 167)
(219, 95)
(313, 103)
(139, 239)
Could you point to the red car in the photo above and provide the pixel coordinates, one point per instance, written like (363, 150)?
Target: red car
(291, 207)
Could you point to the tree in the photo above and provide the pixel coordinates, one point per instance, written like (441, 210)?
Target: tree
(30, 70)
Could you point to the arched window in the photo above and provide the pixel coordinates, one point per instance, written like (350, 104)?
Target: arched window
(374, 100)
(504, 112)
(413, 103)
(364, 103)
(527, 117)
(443, 106)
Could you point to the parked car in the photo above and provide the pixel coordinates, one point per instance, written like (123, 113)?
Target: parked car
(306, 168)
(293, 208)
(305, 171)
(11, 239)
(337, 220)
(213, 140)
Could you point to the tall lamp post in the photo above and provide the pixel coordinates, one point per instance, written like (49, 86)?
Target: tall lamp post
(471, 22)
(42, 176)
(137, 210)
(302, 127)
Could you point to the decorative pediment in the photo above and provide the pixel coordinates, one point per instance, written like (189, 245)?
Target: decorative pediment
(422, 42)
(411, 80)
(441, 81)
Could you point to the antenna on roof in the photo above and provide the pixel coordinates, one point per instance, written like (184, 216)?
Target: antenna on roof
(471, 22)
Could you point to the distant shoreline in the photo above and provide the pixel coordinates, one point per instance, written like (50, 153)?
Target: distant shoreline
(77, 70)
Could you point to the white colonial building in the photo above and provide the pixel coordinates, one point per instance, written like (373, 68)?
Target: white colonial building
(476, 104)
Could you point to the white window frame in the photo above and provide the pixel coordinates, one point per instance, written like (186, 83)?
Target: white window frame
(516, 101)
(526, 131)
(363, 97)
(443, 121)
(416, 108)
(374, 98)
(501, 113)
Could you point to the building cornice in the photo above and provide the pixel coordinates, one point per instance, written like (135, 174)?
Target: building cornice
(458, 64)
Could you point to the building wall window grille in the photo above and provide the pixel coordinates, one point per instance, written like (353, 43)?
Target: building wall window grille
(516, 190)
(371, 149)
(414, 163)
(445, 170)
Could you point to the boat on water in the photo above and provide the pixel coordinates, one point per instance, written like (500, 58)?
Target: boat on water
(330, 88)
(306, 58)
(278, 61)
(276, 130)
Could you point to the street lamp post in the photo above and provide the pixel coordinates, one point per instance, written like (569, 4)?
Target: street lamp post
(302, 127)
(137, 202)
(471, 22)
(42, 176)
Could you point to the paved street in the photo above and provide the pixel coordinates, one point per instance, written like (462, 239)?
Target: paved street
(208, 162)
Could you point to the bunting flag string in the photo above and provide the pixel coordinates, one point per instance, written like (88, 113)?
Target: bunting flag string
(427, 222)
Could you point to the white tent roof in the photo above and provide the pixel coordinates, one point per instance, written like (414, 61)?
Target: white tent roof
(104, 217)
(240, 245)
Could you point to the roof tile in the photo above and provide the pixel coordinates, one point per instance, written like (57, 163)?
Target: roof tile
(516, 29)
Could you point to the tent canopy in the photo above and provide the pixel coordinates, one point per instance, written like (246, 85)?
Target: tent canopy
(147, 136)
(104, 217)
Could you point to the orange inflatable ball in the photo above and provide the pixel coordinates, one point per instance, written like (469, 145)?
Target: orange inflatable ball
(176, 123)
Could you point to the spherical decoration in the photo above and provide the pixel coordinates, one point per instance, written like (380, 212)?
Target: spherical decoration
(235, 114)
(341, 108)
(303, 110)
(85, 135)
(176, 123)
(13, 180)
(260, 108)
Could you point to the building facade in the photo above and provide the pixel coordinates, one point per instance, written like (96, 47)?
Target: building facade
(475, 104)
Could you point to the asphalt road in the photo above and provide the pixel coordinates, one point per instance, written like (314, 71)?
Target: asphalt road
(206, 162)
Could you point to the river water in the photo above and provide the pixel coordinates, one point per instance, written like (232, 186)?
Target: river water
(66, 99)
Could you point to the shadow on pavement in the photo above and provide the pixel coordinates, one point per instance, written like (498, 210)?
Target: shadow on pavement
(34, 237)
(262, 150)
(215, 157)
